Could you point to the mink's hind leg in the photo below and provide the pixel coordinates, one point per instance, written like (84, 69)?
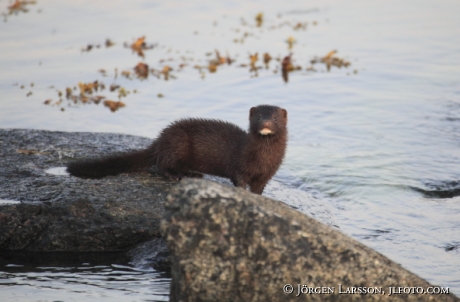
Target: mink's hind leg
(172, 153)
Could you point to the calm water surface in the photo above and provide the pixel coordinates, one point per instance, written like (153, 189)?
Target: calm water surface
(373, 148)
(78, 277)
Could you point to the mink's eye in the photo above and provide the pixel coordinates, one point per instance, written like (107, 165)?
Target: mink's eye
(275, 118)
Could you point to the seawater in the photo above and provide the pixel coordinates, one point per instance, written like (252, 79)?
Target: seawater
(373, 148)
(78, 277)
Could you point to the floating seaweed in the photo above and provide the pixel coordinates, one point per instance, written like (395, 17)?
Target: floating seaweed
(300, 26)
(290, 41)
(19, 6)
(140, 45)
(85, 93)
(286, 67)
(142, 70)
(212, 67)
(109, 43)
(165, 72)
(219, 60)
(253, 59)
(114, 87)
(331, 60)
(89, 88)
(267, 59)
(259, 19)
(113, 105)
(126, 74)
(122, 93)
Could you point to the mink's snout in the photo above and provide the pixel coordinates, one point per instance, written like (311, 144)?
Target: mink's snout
(266, 127)
(267, 124)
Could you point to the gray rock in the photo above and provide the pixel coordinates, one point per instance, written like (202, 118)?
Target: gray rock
(151, 254)
(57, 212)
(229, 245)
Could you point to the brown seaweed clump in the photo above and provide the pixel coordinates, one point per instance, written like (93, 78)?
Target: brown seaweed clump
(139, 46)
(113, 105)
(19, 6)
(331, 60)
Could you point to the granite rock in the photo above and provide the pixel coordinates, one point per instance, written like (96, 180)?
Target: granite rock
(227, 244)
(45, 210)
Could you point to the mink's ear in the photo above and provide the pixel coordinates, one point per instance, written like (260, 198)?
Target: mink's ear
(252, 111)
(284, 113)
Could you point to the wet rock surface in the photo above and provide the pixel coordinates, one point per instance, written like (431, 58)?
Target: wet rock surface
(64, 213)
(151, 254)
(229, 245)
(439, 189)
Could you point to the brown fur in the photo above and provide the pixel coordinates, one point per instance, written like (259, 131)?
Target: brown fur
(189, 147)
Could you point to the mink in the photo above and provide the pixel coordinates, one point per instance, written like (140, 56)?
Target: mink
(189, 147)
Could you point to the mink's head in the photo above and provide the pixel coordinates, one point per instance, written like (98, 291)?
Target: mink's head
(268, 121)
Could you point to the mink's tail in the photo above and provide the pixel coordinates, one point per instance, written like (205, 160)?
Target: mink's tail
(111, 165)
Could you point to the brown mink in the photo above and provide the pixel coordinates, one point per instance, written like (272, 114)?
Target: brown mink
(189, 147)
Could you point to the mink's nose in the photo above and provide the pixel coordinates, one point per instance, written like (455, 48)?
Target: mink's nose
(267, 124)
